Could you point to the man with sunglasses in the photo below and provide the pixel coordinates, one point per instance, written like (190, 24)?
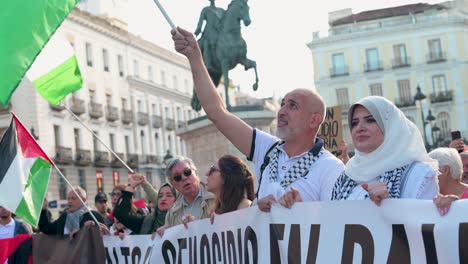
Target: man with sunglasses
(299, 165)
(194, 201)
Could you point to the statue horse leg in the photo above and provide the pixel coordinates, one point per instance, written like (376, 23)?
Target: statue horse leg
(225, 70)
(249, 64)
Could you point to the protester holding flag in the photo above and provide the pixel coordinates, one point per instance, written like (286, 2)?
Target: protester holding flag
(72, 219)
(390, 160)
(150, 223)
(11, 227)
(231, 181)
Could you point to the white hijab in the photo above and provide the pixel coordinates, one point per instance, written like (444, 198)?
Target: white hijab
(402, 143)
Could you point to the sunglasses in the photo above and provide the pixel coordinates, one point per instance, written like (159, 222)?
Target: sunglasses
(213, 169)
(187, 173)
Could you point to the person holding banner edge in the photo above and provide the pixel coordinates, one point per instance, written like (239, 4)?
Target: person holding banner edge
(298, 159)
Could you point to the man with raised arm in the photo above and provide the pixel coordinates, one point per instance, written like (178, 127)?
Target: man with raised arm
(298, 168)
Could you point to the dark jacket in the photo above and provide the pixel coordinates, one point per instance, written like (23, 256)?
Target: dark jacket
(22, 228)
(56, 227)
(123, 212)
(20, 255)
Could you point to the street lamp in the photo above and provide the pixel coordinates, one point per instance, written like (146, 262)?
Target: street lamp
(419, 97)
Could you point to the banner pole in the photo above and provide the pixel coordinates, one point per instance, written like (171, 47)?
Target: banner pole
(166, 16)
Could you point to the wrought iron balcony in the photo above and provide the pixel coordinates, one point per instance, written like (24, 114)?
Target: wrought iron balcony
(442, 96)
(152, 159)
(401, 62)
(115, 163)
(57, 108)
(339, 71)
(404, 102)
(170, 124)
(375, 66)
(95, 110)
(112, 113)
(127, 116)
(142, 118)
(101, 158)
(77, 106)
(434, 57)
(82, 157)
(63, 155)
(157, 121)
(132, 160)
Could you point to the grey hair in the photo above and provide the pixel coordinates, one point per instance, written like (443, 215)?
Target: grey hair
(449, 157)
(80, 191)
(464, 155)
(173, 162)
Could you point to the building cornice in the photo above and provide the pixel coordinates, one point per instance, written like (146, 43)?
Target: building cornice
(106, 28)
(155, 89)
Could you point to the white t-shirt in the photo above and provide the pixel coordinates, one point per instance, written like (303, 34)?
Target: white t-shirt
(8, 230)
(421, 183)
(317, 185)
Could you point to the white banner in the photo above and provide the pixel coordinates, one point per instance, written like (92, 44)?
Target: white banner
(400, 231)
(133, 249)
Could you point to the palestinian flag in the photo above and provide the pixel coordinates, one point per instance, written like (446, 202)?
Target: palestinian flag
(26, 27)
(24, 173)
(17, 249)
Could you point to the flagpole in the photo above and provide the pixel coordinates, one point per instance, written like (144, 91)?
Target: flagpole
(166, 16)
(77, 195)
(89, 129)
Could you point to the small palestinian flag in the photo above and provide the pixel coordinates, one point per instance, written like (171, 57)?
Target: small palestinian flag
(24, 173)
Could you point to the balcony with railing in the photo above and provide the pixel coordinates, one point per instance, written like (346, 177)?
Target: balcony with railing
(57, 108)
(63, 155)
(115, 162)
(401, 62)
(95, 110)
(101, 158)
(142, 118)
(435, 57)
(339, 71)
(132, 160)
(441, 96)
(82, 157)
(170, 124)
(152, 159)
(77, 106)
(127, 116)
(373, 66)
(157, 121)
(112, 113)
(404, 102)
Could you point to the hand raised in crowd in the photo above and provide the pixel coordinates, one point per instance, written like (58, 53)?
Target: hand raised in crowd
(135, 180)
(185, 42)
(343, 151)
(458, 144)
(377, 191)
(187, 219)
(291, 197)
(265, 203)
(443, 202)
(159, 231)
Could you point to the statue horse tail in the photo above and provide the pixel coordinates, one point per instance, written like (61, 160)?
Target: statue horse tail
(215, 77)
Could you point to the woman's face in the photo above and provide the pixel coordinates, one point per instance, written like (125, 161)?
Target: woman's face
(165, 199)
(214, 179)
(367, 135)
(115, 195)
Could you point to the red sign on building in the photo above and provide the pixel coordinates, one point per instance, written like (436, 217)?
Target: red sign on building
(99, 176)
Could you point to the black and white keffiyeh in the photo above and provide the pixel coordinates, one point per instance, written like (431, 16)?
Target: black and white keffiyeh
(300, 168)
(344, 185)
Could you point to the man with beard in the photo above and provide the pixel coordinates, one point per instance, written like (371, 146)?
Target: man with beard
(298, 164)
(100, 202)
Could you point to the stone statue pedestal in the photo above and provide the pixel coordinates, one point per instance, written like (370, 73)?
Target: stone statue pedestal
(205, 144)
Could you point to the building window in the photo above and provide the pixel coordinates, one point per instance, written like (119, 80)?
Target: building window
(140, 106)
(91, 96)
(376, 89)
(105, 59)
(435, 50)
(339, 65)
(143, 142)
(156, 141)
(120, 65)
(82, 178)
(136, 69)
(167, 112)
(163, 78)
(443, 122)
(150, 74)
(399, 54)
(127, 145)
(112, 140)
(404, 91)
(95, 141)
(342, 98)
(124, 103)
(175, 83)
(89, 54)
(57, 136)
(372, 60)
(76, 133)
(62, 185)
(439, 83)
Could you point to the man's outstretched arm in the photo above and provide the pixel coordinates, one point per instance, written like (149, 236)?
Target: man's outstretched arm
(232, 127)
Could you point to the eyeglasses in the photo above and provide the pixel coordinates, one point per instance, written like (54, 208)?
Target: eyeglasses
(213, 169)
(112, 194)
(187, 173)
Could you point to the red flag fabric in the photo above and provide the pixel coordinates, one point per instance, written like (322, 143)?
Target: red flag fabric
(9, 245)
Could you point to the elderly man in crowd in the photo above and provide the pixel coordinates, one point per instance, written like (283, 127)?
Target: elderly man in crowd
(72, 219)
(194, 201)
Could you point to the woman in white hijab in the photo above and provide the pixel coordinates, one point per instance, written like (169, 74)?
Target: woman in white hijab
(390, 161)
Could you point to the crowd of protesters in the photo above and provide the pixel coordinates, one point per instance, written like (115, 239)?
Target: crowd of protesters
(390, 162)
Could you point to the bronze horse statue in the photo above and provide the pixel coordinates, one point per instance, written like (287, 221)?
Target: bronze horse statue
(230, 48)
